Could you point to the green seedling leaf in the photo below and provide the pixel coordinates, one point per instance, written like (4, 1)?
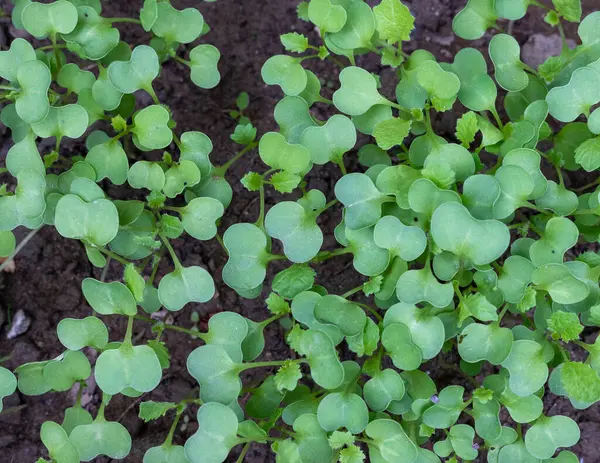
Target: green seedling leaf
(358, 92)
(474, 19)
(75, 416)
(56, 440)
(151, 129)
(137, 73)
(408, 243)
(135, 367)
(426, 330)
(441, 86)
(516, 186)
(149, 14)
(558, 199)
(477, 90)
(391, 441)
(74, 79)
(337, 311)
(109, 160)
(559, 282)
(173, 25)
(587, 155)
(96, 222)
(358, 28)
(294, 42)
(487, 421)
(346, 410)
(565, 326)
(69, 121)
(447, 409)
(19, 128)
(199, 217)
(296, 228)
(32, 103)
(303, 310)
(24, 156)
(109, 298)
(506, 55)
(203, 65)
(330, 141)
(479, 342)
(8, 384)
(417, 286)
(566, 103)
(196, 147)
(397, 180)
(311, 439)
(527, 368)
(276, 152)
(228, 330)
(361, 199)
(246, 267)
(7, 243)
(285, 71)
(180, 176)
(384, 387)
(145, 174)
(293, 117)
(394, 21)
(455, 230)
(104, 93)
(94, 37)
(549, 433)
(101, 438)
(511, 9)
(76, 334)
(20, 51)
(369, 259)
(61, 374)
(461, 437)
(559, 236)
(480, 193)
(174, 453)
(326, 16)
(580, 382)
(43, 20)
(183, 285)
(424, 197)
(397, 341)
(466, 128)
(455, 157)
(326, 369)
(391, 132)
(216, 373)
(514, 278)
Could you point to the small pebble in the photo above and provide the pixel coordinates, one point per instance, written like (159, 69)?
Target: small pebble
(20, 324)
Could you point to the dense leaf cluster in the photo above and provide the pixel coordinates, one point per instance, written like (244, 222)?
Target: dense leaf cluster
(466, 245)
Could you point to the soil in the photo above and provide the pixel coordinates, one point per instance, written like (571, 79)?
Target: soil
(49, 270)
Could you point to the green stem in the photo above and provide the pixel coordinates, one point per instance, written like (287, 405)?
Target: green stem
(20, 246)
(325, 255)
(222, 170)
(171, 251)
(342, 166)
(529, 69)
(150, 90)
(327, 206)
(274, 363)
(535, 208)
(123, 20)
(50, 47)
(370, 309)
(589, 185)
(352, 291)
(261, 212)
(114, 256)
(244, 452)
(193, 333)
(220, 241)
(497, 118)
(9, 88)
(129, 333)
(517, 225)
(169, 440)
(561, 180)
(270, 320)
(181, 60)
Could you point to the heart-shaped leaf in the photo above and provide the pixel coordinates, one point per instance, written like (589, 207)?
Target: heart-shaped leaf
(559, 282)
(183, 285)
(203, 65)
(216, 434)
(76, 334)
(358, 92)
(326, 16)
(109, 160)
(549, 433)
(43, 20)
(8, 384)
(199, 217)
(69, 121)
(216, 373)
(101, 438)
(145, 174)
(479, 342)
(56, 440)
(137, 73)
(173, 25)
(330, 141)
(296, 228)
(528, 371)
(96, 222)
(347, 410)
(94, 37)
(277, 153)
(151, 129)
(19, 52)
(109, 298)
(135, 367)
(474, 19)
(446, 409)
(32, 102)
(506, 55)
(417, 286)
(477, 90)
(361, 199)
(358, 28)
(285, 71)
(391, 441)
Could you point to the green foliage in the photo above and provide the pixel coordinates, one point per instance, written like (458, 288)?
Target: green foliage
(457, 249)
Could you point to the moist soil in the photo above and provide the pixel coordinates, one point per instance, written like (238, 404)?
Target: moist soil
(47, 280)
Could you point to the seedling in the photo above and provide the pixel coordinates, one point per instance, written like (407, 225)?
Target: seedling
(457, 257)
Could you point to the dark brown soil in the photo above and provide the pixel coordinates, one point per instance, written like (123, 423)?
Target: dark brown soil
(46, 284)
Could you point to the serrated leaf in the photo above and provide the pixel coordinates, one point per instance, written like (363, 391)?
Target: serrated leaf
(153, 410)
